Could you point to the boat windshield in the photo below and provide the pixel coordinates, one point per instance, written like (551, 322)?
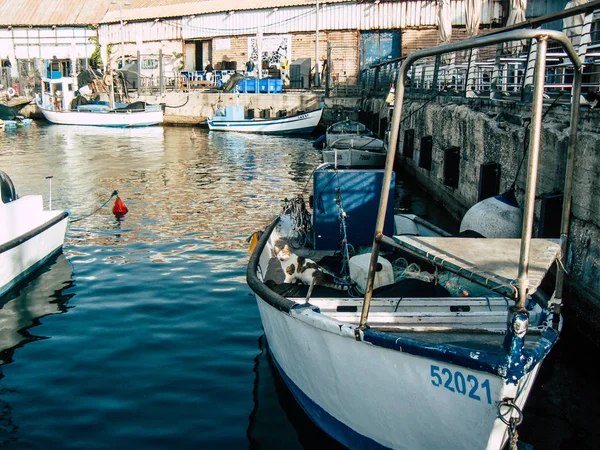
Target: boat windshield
(349, 127)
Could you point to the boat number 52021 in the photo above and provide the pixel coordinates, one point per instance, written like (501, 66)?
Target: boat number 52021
(460, 383)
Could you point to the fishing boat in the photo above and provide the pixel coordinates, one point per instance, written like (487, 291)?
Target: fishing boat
(419, 339)
(360, 151)
(231, 118)
(29, 234)
(64, 101)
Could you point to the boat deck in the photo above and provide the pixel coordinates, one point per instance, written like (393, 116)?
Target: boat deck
(445, 308)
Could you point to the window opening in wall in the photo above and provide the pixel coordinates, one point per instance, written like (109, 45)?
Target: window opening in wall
(426, 152)
(408, 149)
(451, 166)
(489, 180)
(550, 215)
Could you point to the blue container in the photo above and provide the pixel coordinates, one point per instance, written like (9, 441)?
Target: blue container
(248, 85)
(270, 85)
(263, 85)
(275, 85)
(359, 192)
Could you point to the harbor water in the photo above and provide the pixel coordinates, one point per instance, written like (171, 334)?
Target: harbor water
(143, 334)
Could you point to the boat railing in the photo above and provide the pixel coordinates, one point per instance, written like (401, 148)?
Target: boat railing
(540, 39)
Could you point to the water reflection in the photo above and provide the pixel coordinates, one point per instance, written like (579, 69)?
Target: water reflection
(277, 420)
(23, 307)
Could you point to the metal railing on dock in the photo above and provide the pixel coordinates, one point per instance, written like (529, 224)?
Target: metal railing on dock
(505, 71)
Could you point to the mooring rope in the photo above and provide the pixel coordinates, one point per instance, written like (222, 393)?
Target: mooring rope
(98, 209)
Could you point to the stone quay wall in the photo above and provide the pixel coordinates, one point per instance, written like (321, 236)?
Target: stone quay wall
(497, 132)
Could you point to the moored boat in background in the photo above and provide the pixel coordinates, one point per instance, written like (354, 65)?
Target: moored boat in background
(231, 118)
(358, 151)
(347, 129)
(63, 101)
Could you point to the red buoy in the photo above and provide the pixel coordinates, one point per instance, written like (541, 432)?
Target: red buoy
(119, 209)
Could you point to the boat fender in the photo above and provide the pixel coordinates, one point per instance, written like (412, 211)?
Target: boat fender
(494, 217)
(7, 188)
(319, 143)
(11, 92)
(253, 240)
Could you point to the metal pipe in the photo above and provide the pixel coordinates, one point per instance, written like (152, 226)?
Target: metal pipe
(127, 3)
(49, 178)
(532, 171)
(568, 187)
(317, 78)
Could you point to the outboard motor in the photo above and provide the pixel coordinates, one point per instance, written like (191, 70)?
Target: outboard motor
(7, 188)
(494, 217)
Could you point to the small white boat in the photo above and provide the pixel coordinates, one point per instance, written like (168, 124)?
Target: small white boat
(357, 151)
(29, 234)
(346, 129)
(422, 340)
(62, 101)
(231, 118)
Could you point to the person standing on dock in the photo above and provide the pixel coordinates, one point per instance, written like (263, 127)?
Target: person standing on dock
(324, 69)
(250, 68)
(208, 71)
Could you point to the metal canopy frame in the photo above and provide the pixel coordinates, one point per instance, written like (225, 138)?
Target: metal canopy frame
(541, 37)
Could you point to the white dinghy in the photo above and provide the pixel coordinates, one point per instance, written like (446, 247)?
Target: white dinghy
(29, 234)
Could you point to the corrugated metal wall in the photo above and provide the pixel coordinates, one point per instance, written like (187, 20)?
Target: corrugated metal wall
(344, 16)
(141, 31)
(29, 43)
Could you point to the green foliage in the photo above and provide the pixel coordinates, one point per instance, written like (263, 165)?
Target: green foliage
(96, 56)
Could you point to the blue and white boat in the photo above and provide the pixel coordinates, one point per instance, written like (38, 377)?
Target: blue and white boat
(29, 234)
(423, 340)
(231, 118)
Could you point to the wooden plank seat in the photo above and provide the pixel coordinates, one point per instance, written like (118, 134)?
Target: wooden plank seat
(433, 314)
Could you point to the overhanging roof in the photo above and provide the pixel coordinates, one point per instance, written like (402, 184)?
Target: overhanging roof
(52, 12)
(158, 9)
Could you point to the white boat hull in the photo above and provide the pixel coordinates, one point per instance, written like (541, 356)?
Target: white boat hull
(29, 236)
(114, 119)
(297, 124)
(352, 157)
(367, 396)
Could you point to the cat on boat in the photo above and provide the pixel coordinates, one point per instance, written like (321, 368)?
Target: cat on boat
(298, 268)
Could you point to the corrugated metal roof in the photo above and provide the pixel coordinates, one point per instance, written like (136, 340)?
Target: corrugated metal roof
(346, 16)
(152, 9)
(52, 12)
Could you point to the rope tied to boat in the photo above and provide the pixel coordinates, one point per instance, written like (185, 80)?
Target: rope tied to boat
(300, 219)
(115, 193)
(513, 421)
(344, 246)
